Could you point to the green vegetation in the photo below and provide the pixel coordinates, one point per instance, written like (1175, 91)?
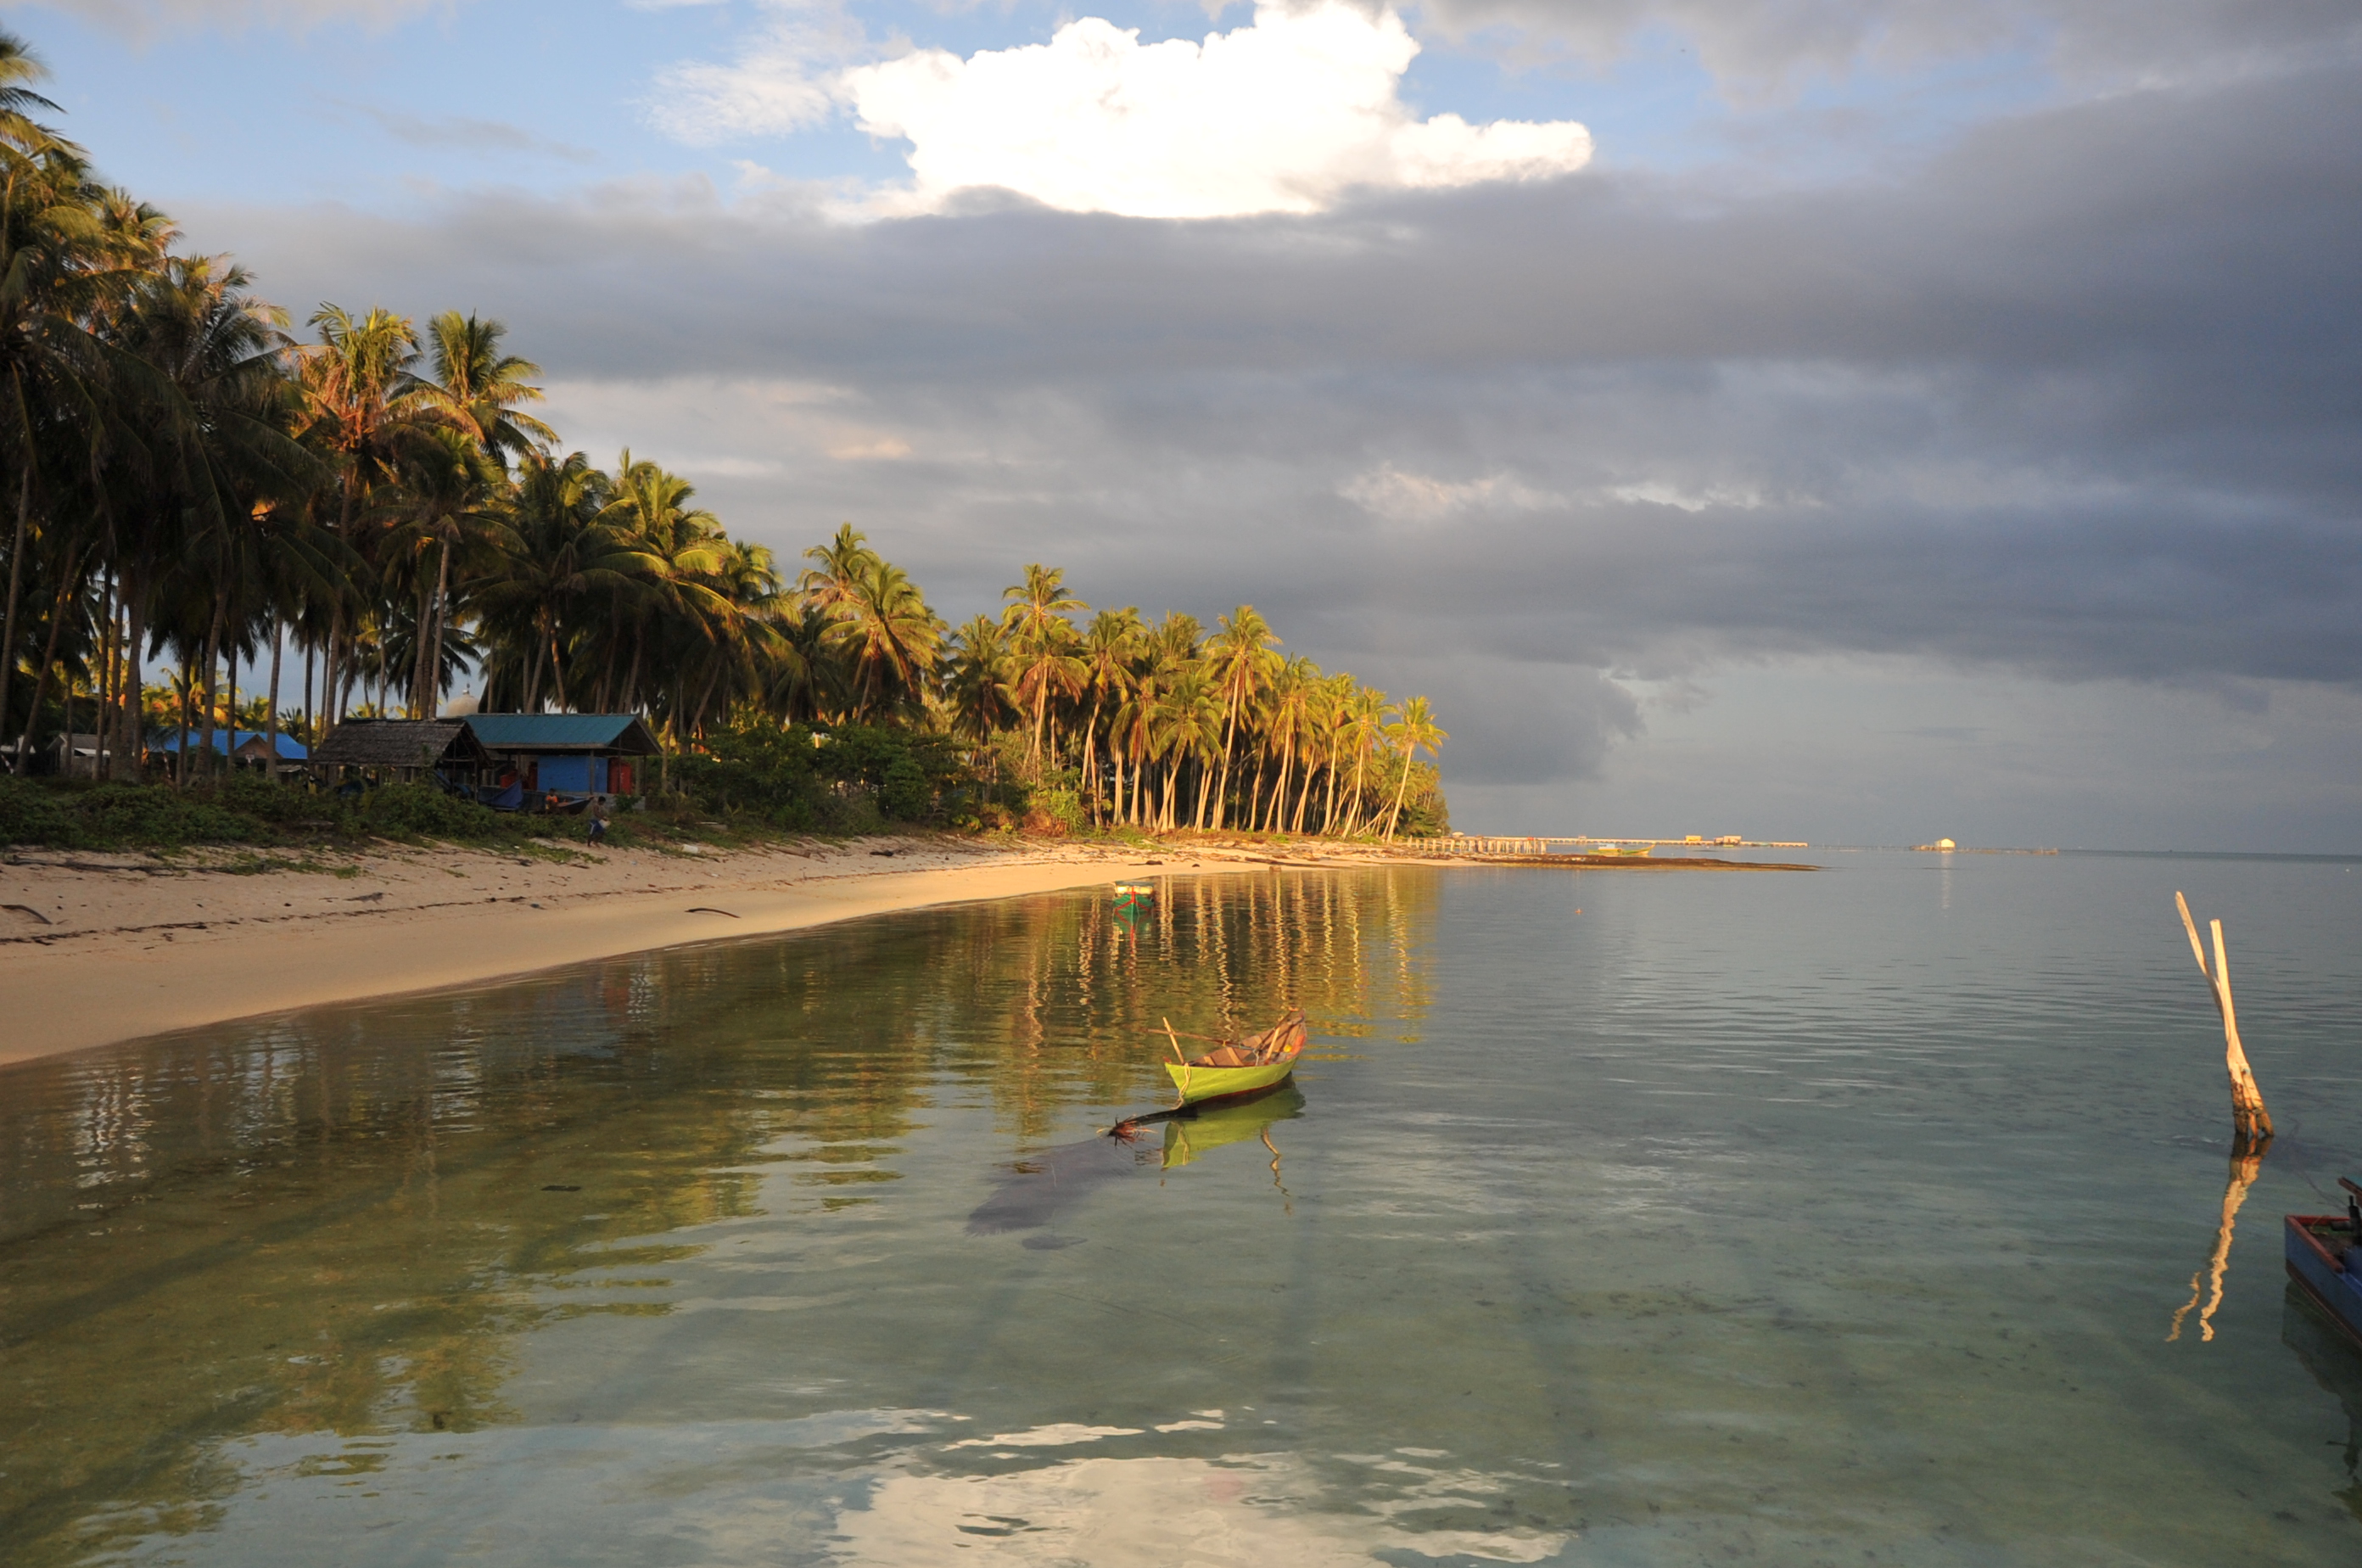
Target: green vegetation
(189, 484)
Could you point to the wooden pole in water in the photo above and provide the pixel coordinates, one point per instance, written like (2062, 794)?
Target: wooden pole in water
(2250, 1123)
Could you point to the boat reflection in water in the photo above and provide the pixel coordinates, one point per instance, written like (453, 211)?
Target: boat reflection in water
(1034, 1192)
(1193, 1136)
(2325, 1351)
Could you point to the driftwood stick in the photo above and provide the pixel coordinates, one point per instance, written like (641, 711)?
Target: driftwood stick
(2249, 1120)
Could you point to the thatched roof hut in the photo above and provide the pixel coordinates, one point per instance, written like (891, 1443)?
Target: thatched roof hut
(443, 745)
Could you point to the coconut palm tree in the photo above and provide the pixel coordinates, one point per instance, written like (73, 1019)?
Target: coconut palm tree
(1187, 722)
(978, 680)
(1362, 727)
(1288, 729)
(226, 482)
(1240, 657)
(690, 594)
(892, 640)
(450, 506)
(1042, 643)
(1416, 731)
(477, 389)
(563, 556)
(363, 407)
(52, 369)
(829, 583)
(1110, 645)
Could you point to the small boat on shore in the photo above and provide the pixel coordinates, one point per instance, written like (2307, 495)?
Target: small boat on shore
(2324, 1257)
(1255, 1063)
(1132, 895)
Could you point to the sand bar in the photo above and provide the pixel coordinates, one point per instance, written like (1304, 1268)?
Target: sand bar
(95, 949)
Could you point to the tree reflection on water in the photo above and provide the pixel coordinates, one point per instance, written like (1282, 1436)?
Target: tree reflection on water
(346, 1221)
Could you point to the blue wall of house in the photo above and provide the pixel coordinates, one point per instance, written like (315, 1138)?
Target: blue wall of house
(574, 774)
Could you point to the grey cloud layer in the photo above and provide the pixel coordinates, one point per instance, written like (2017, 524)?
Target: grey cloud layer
(1771, 47)
(2077, 399)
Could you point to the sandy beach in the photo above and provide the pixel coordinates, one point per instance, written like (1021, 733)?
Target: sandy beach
(98, 948)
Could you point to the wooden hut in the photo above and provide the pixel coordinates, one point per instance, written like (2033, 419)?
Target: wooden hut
(570, 755)
(409, 749)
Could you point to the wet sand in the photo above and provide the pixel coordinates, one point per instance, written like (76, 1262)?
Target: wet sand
(95, 949)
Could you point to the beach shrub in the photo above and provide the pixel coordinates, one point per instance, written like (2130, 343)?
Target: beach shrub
(909, 774)
(107, 816)
(425, 812)
(31, 813)
(853, 778)
(758, 768)
(904, 794)
(1055, 809)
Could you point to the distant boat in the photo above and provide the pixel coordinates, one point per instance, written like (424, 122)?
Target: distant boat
(1255, 1063)
(2325, 1256)
(1132, 895)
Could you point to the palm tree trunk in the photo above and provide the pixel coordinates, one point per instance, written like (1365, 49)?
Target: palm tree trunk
(1090, 762)
(556, 668)
(1221, 790)
(41, 671)
(16, 577)
(213, 659)
(130, 757)
(1354, 796)
(104, 720)
(271, 713)
(533, 681)
(422, 631)
(1401, 789)
(181, 757)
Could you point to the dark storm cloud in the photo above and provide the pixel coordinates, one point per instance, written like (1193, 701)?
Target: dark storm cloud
(2076, 398)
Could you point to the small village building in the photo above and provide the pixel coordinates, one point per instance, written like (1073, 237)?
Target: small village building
(408, 750)
(249, 746)
(571, 755)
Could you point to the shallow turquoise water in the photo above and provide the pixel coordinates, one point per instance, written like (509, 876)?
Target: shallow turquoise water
(1766, 1218)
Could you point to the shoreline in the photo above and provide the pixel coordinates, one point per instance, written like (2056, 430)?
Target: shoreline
(100, 949)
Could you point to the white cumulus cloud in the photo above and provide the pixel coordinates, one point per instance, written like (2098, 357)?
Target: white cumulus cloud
(1280, 115)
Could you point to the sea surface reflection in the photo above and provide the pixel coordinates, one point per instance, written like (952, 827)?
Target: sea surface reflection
(1794, 1217)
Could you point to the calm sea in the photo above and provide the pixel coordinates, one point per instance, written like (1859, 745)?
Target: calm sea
(1864, 1215)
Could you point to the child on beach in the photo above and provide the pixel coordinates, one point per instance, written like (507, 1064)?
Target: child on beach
(598, 818)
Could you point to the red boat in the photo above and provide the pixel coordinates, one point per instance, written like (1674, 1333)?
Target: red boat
(2325, 1256)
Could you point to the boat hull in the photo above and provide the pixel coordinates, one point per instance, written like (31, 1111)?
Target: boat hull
(2321, 1259)
(1197, 1085)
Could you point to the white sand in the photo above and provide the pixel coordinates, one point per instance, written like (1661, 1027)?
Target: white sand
(111, 947)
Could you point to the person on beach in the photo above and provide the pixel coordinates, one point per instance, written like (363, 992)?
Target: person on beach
(598, 818)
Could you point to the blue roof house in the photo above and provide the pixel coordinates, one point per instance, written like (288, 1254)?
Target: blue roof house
(567, 754)
(247, 746)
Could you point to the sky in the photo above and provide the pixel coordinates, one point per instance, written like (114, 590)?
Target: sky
(1857, 421)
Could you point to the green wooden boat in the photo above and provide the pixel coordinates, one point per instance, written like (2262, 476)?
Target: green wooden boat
(1255, 1063)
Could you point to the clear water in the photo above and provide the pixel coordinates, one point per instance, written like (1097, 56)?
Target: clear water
(1841, 1218)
